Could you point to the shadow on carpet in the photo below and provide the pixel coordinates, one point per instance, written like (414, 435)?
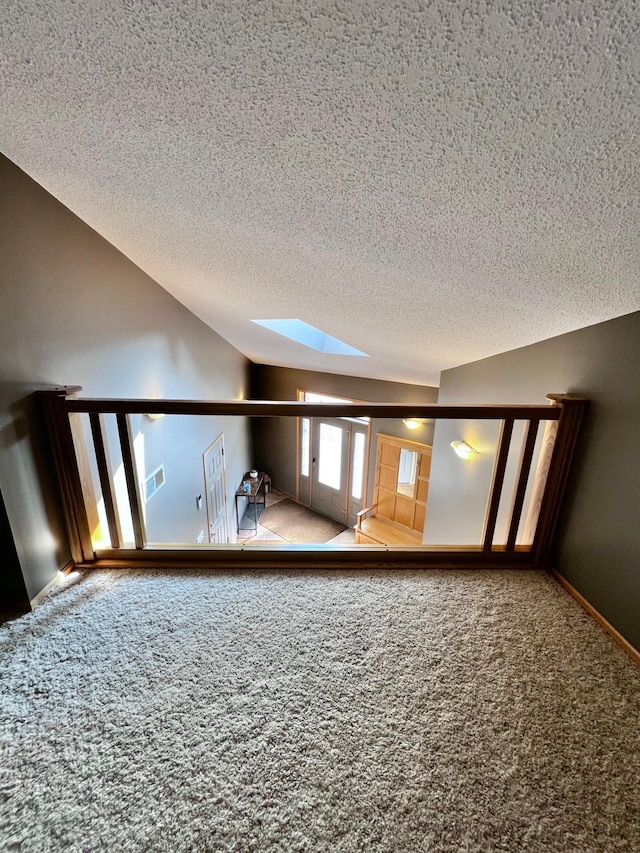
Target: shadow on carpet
(298, 524)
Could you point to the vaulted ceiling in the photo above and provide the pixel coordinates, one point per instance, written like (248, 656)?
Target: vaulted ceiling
(430, 182)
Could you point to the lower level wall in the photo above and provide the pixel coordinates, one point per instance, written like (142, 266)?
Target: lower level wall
(275, 439)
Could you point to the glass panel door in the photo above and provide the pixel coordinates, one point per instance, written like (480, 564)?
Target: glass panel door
(330, 467)
(330, 455)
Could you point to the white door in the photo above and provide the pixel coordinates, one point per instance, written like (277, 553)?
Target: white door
(357, 469)
(214, 481)
(329, 468)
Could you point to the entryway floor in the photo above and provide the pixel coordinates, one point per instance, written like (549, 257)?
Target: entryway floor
(347, 537)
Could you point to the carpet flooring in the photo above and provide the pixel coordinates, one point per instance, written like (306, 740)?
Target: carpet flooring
(394, 711)
(298, 524)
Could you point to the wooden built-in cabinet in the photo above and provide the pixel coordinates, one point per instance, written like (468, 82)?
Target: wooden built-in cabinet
(399, 495)
(402, 481)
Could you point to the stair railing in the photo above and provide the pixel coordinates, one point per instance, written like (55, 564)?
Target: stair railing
(562, 422)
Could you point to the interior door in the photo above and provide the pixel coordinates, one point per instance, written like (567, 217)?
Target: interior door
(214, 480)
(329, 467)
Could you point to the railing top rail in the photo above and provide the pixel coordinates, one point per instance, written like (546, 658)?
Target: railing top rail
(264, 408)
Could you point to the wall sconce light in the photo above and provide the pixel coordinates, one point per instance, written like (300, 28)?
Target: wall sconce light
(155, 417)
(464, 450)
(416, 423)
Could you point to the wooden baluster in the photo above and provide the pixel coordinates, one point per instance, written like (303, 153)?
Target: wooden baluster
(540, 481)
(104, 472)
(496, 486)
(81, 445)
(523, 478)
(128, 461)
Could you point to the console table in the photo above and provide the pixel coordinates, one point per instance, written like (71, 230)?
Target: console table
(256, 495)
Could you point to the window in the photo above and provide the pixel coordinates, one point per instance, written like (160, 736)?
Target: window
(407, 470)
(304, 447)
(357, 465)
(312, 397)
(330, 461)
(309, 336)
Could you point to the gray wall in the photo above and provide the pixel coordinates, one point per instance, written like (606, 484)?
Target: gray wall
(598, 542)
(75, 311)
(15, 593)
(275, 438)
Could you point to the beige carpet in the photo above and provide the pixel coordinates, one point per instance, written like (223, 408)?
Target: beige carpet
(318, 712)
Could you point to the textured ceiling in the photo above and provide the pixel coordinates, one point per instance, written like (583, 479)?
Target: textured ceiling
(431, 182)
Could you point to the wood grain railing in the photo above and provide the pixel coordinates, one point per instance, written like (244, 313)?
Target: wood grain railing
(562, 421)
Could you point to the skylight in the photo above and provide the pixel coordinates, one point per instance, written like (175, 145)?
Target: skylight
(303, 333)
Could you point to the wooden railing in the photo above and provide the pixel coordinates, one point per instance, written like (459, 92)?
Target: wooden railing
(562, 420)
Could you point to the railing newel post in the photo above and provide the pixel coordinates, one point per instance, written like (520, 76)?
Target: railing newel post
(54, 403)
(572, 412)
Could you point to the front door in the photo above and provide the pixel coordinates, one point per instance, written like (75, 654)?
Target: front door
(329, 468)
(214, 480)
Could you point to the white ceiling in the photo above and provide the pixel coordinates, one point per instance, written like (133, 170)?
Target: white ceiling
(431, 182)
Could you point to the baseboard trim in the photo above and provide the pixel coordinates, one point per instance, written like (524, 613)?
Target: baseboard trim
(44, 592)
(286, 556)
(604, 623)
(286, 494)
(40, 597)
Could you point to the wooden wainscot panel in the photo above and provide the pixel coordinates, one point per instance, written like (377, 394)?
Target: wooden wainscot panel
(425, 463)
(418, 522)
(405, 511)
(387, 478)
(385, 503)
(422, 491)
(403, 506)
(389, 455)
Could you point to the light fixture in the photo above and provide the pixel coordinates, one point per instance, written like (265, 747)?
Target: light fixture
(155, 416)
(464, 450)
(416, 423)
